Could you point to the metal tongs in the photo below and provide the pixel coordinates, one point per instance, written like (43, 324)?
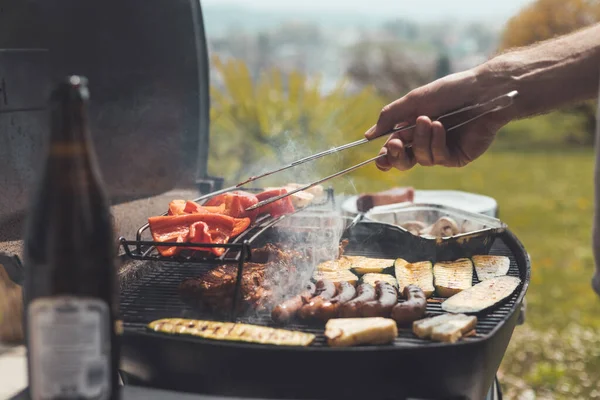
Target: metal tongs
(496, 104)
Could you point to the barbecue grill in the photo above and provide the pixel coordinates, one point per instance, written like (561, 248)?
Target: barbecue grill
(408, 368)
(166, 121)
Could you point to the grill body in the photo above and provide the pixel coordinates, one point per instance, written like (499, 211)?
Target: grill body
(408, 368)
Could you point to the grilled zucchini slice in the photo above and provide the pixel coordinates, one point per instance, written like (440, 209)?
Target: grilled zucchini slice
(488, 267)
(343, 332)
(231, 331)
(342, 263)
(452, 277)
(372, 279)
(372, 266)
(419, 274)
(482, 296)
(343, 275)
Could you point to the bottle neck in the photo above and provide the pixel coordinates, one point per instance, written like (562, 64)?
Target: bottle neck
(69, 133)
(71, 160)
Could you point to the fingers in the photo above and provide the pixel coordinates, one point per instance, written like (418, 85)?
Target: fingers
(383, 163)
(398, 156)
(422, 142)
(398, 112)
(429, 148)
(439, 147)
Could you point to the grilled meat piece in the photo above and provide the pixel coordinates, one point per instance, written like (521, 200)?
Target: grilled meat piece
(342, 247)
(215, 289)
(367, 201)
(273, 253)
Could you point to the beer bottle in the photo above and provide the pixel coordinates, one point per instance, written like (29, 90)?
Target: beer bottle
(70, 265)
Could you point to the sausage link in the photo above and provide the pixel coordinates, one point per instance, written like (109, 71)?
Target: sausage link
(413, 308)
(325, 290)
(387, 298)
(329, 309)
(287, 310)
(351, 309)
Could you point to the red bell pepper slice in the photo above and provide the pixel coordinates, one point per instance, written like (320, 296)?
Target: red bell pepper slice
(192, 207)
(200, 233)
(236, 203)
(176, 207)
(181, 207)
(277, 208)
(177, 228)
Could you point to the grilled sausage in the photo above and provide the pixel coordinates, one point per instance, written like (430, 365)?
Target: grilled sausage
(351, 309)
(413, 308)
(311, 290)
(288, 309)
(387, 298)
(329, 309)
(325, 291)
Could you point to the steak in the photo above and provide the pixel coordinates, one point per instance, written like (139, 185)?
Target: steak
(215, 288)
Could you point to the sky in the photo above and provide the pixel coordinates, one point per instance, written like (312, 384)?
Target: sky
(419, 9)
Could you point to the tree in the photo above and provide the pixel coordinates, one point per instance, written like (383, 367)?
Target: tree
(545, 19)
(443, 67)
(259, 125)
(393, 71)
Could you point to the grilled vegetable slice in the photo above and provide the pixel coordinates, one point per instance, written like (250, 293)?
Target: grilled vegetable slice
(232, 332)
(444, 326)
(419, 274)
(343, 275)
(482, 296)
(373, 278)
(342, 263)
(488, 267)
(454, 329)
(342, 332)
(423, 327)
(452, 277)
(366, 265)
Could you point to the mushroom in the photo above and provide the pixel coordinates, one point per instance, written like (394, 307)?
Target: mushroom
(414, 227)
(443, 227)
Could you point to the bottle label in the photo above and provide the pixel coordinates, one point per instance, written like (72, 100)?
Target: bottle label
(69, 345)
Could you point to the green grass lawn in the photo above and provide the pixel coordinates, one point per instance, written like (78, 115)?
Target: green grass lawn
(546, 198)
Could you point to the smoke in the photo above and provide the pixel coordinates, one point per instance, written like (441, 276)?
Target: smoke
(313, 235)
(293, 147)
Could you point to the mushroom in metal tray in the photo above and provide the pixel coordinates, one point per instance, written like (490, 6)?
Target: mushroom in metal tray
(414, 227)
(443, 227)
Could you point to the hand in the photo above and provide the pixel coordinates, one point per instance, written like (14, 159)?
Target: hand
(430, 143)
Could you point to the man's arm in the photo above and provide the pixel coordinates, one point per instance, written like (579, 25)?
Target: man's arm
(549, 74)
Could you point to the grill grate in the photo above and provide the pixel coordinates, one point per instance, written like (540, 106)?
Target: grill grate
(155, 296)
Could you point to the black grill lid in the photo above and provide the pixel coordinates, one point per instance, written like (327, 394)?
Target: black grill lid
(146, 61)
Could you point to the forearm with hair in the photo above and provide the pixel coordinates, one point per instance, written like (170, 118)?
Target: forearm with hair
(549, 74)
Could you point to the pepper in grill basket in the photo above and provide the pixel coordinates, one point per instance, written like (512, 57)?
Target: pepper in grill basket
(199, 228)
(222, 217)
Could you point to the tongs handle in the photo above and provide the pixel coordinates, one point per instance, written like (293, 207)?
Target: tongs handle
(493, 105)
(272, 199)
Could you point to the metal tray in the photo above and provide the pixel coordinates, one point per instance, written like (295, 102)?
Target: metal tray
(479, 230)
